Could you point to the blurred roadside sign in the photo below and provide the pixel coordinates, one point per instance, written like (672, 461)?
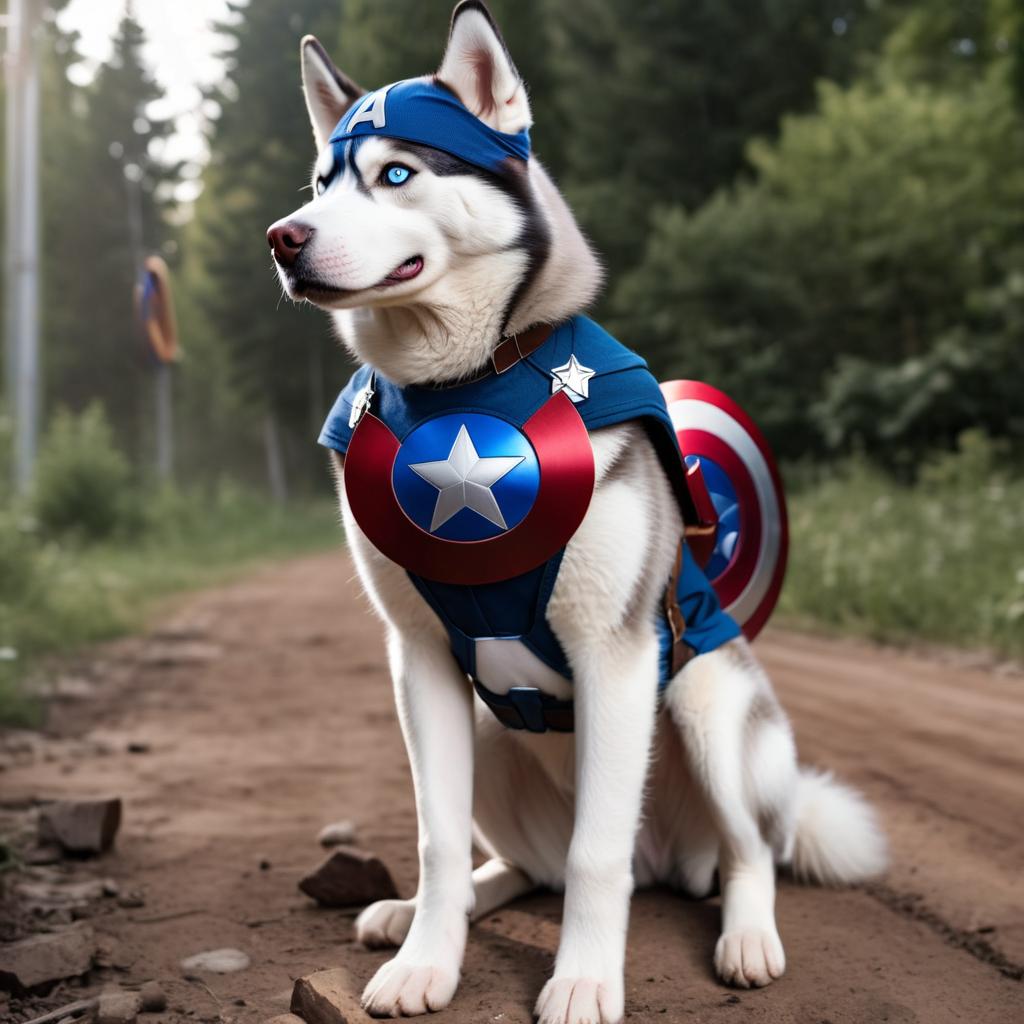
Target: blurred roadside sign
(155, 306)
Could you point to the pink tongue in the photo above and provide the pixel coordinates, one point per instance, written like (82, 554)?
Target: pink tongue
(406, 270)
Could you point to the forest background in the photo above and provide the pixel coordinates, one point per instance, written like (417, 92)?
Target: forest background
(816, 205)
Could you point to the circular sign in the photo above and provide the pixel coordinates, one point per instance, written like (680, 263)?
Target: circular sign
(748, 563)
(156, 310)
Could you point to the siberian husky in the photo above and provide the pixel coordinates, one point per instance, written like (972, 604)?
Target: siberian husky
(423, 282)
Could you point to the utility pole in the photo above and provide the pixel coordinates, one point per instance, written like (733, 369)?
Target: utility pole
(21, 322)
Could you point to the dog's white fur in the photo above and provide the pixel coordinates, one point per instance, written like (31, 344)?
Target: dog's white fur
(636, 796)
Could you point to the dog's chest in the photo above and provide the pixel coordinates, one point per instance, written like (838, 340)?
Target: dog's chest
(476, 490)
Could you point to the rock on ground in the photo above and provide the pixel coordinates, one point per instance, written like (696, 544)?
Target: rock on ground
(42, 959)
(46, 895)
(339, 833)
(81, 826)
(116, 1006)
(349, 878)
(326, 997)
(219, 961)
(174, 653)
(154, 999)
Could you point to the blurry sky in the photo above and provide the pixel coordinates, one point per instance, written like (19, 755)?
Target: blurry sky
(181, 50)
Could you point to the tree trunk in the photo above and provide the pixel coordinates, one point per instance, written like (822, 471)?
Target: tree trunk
(275, 459)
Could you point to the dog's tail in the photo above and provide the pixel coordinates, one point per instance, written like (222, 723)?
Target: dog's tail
(838, 838)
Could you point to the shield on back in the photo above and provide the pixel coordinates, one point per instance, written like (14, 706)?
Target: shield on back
(747, 563)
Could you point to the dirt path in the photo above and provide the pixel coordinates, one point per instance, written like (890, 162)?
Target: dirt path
(291, 726)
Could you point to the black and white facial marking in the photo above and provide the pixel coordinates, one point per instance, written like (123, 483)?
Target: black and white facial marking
(389, 220)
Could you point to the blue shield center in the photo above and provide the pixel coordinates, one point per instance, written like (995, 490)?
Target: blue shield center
(466, 476)
(723, 497)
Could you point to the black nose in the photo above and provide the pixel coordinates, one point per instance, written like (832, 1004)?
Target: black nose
(287, 239)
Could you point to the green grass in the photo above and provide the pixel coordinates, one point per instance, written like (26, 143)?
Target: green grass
(941, 561)
(58, 595)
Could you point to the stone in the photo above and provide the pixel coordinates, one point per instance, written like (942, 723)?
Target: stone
(81, 826)
(218, 961)
(172, 654)
(46, 895)
(115, 1006)
(349, 878)
(339, 833)
(65, 688)
(112, 952)
(326, 997)
(154, 999)
(42, 959)
(49, 853)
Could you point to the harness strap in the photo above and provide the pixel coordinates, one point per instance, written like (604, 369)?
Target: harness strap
(681, 651)
(525, 707)
(519, 346)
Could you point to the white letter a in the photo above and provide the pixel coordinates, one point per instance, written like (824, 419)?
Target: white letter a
(371, 109)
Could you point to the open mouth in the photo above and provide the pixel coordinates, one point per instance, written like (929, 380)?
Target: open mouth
(404, 272)
(314, 291)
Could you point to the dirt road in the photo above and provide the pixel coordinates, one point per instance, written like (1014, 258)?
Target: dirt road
(283, 721)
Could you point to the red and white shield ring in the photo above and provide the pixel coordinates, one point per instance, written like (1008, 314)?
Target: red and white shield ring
(749, 561)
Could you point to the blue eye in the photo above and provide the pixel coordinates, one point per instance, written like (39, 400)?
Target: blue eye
(397, 174)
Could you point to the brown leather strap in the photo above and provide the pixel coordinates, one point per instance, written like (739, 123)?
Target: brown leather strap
(681, 651)
(519, 346)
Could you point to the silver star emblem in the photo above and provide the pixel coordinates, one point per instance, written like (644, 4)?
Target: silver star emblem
(464, 480)
(573, 378)
(360, 404)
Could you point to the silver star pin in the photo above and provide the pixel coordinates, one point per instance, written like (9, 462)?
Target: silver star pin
(464, 480)
(573, 378)
(359, 405)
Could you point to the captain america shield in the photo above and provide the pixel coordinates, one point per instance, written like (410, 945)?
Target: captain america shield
(469, 497)
(748, 562)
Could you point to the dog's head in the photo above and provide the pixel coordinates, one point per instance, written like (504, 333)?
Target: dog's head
(428, 208)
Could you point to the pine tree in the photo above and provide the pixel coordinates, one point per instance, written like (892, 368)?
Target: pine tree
(279, 355)
(657, 101)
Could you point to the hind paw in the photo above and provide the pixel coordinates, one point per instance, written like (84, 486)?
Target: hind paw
(385, 923)
(750, 959)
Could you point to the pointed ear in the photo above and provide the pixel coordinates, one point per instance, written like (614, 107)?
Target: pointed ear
(329, 92)
(478, 69)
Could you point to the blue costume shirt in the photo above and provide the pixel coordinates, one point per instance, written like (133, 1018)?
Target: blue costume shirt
(620, 389)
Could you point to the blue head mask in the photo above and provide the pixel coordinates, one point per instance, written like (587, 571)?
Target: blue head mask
(424, 111)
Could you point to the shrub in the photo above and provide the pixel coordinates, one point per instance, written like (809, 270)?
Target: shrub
(83, 482)
(939, 560)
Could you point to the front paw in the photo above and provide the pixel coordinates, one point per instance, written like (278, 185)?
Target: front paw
(580, 1001)
(385, 923)
(401, 989)
(750, 959)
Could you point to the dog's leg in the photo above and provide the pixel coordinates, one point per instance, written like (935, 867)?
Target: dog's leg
(742, 757)
(495, 883)
(615, 697)
(435, 709)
